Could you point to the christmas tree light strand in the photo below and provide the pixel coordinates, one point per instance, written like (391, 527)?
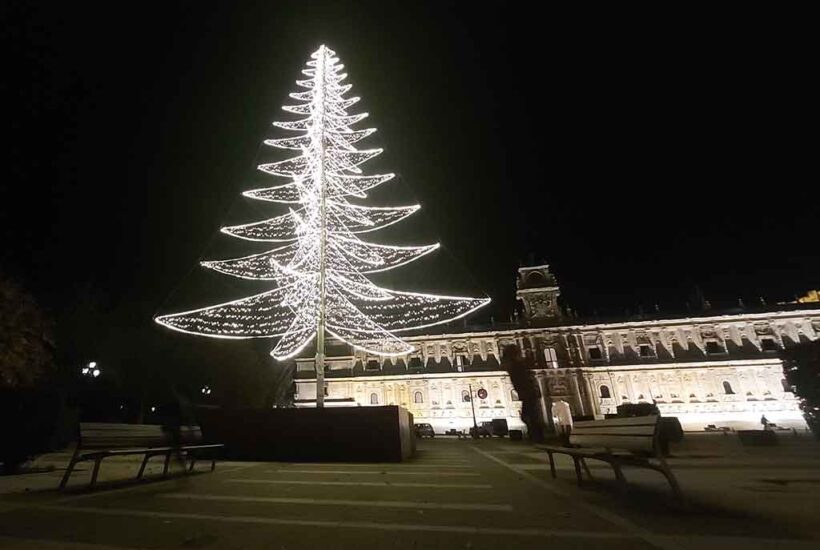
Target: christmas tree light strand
(320, 273)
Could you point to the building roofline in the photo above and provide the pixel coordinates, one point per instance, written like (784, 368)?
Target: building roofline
(747, 317)
(419, 376)
(768, 361)
(681, 365)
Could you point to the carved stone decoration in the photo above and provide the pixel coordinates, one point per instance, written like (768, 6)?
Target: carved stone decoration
(539, 306)
(558, 386)
(590, 339)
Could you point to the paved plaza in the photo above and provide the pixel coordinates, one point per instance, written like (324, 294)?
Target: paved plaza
(454, 494)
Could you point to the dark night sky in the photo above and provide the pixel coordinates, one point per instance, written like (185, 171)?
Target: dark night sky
(639, 154)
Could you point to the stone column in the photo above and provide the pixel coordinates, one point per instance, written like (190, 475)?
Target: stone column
(573, 380)
(592, 399)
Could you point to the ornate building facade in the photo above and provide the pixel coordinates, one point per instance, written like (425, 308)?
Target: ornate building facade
(721, 369)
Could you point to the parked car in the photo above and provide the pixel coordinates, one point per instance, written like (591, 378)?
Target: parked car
(500, 427)
(484, 430)
(713, 428)
(424, 430)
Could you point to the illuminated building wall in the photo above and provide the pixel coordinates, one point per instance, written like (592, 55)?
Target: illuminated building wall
(711, 369)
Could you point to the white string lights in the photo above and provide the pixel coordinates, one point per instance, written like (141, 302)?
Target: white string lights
(320, 261)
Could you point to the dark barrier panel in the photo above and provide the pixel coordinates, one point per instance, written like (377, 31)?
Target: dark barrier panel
(339, 434)
(757, 438)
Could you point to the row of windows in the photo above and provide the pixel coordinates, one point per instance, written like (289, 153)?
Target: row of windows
(419, 398)
(727, 389)
(712, 348)
(595, 353)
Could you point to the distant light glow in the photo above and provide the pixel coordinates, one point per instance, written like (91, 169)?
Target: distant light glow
(320, 267)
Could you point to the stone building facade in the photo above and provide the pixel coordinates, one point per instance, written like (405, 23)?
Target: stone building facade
(718, 369)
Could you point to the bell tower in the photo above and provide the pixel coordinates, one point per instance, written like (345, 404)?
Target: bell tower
(538, 290)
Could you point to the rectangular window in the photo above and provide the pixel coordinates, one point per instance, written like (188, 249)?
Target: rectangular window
(768, 344)
(647, 351)
(551, 358)
(595, 353)
(461, 362)
(713, 347)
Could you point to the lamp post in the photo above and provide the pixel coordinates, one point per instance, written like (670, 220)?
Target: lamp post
(472, 406)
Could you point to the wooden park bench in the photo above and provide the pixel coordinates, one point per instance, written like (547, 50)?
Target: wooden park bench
(100, 440)
(631, 441)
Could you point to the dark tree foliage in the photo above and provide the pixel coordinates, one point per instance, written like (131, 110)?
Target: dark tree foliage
(802, 367)
(26, 338)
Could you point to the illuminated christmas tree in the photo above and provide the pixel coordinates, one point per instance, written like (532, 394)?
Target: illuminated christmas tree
(319, 268)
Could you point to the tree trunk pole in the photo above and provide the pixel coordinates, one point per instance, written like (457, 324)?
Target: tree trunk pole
(320, 331)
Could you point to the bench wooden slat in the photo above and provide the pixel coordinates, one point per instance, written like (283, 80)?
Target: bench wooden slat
(628, 421)
(631, 434)
(628, 443)
(97, 435)
(616, 430)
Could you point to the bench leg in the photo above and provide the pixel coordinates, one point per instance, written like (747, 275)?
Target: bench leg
(67, 474)
(213, 464)
(191, 466)
(673, 483)
(586, 469)
(619, 475)
(552, 465)
(577, 462)
(95, 472)
(167, 464)
(144, 463)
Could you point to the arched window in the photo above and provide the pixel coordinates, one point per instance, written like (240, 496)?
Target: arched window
(418, 398)
(536, 279)
(514, 395)
(727, 388)
(605, 392)
(465, 395)
(374, 399)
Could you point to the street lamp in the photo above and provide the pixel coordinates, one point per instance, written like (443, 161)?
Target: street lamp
(206, 390)
(91, 370)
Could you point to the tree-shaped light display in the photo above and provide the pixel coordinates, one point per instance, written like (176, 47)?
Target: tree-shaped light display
(319, 267)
